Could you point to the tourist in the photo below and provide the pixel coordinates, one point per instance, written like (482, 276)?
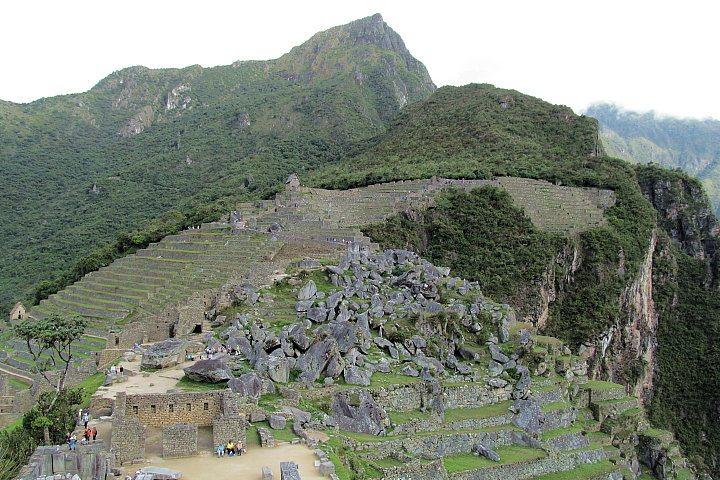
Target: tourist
(86, 419)
(220, 450)
(73, 441)
(113, 370)
(122, 370)
(93, 431)
(230, 448)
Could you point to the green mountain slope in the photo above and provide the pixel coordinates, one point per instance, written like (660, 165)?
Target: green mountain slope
(690, 145)
(78, 169)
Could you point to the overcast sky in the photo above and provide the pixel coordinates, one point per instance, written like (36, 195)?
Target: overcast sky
(640, 54)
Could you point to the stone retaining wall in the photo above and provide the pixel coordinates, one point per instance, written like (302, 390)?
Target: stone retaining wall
(179, 440)
(417, 471)
(524, 470)
(434, 446)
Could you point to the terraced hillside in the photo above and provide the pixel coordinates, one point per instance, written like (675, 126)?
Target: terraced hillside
(339, 214)
(140, 286)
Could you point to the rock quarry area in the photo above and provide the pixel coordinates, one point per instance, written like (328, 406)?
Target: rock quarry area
(408, 372)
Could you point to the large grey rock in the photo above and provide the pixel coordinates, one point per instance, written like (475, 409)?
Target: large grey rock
(164, 354)
(247, 384)
(355, 375)
(308, 291)
(333, 300)
(277, 422)
(317, 314)
(529, 416)
(299, 337)
(278, 368)
(482, 450)
(497, 355)
(210, 371)
(410, 371)
(357, 411)
(495, 369)
(312, 363)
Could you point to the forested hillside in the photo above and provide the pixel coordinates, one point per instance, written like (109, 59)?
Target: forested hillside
(182, 144)
(690, 145)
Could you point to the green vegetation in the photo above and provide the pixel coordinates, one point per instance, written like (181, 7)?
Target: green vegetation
(50, 343)
(688, 355)
(479, 233)
(585, 471)
(492, 410)
(508, 455)
(688, 144)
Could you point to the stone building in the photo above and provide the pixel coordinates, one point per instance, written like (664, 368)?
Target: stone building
(18, 312)
(178, 414)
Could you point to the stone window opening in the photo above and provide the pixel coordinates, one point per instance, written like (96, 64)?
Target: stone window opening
(171, 408)
(189, 407)
(135, 409)
(117, 341)
(197, 329)
(206, 406)
(153, 409)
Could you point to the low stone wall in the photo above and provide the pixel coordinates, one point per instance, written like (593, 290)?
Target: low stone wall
(543, 466)
(229, 428)
(560, 418)
(567, 441)
(434, 446)
(179, 440)
(417, 471)
(91, 462)
(474, 395)
(403, 398)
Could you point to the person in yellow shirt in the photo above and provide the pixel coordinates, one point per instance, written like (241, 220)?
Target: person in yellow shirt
(230, 448)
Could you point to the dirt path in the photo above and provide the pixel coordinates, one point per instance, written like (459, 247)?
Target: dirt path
(245, 467)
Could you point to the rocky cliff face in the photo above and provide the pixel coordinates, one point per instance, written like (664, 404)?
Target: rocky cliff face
(684, 212)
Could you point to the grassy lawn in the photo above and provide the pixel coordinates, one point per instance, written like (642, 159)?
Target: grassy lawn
(89, 387)
(494, 410)
(284, 435)
(549, 407)
(18, 383)
(508, 454)
(585, 471)
(404, 417)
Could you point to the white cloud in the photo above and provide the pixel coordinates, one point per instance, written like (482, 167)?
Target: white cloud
(641, 54)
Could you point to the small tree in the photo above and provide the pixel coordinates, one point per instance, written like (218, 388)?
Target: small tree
(49, 340)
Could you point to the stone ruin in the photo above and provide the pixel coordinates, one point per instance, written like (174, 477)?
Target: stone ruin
(289, 471)
(87, 462)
